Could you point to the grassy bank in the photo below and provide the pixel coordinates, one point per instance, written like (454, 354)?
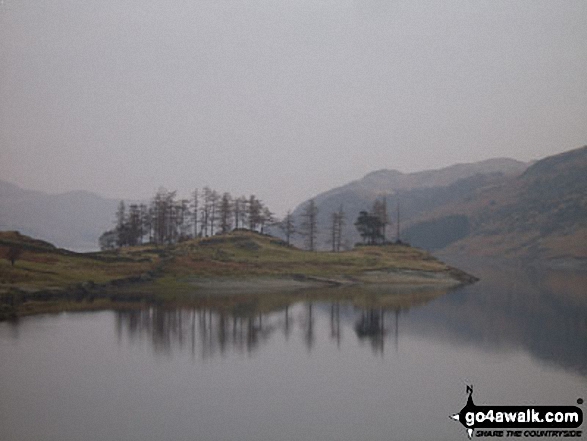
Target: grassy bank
(237, 265)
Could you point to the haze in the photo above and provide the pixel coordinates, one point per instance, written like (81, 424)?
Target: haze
(281, 99)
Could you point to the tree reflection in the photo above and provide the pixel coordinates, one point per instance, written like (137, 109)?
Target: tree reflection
(309, 336)
(243, 325)
(207, 333)
(286, 324)
(335, 333)
(211, 331)
(371, 326)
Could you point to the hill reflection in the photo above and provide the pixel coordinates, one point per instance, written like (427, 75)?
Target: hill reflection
(537, 311)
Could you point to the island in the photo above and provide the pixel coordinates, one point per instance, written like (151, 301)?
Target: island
(223, 271)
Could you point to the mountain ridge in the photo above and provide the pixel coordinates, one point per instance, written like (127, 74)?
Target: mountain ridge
(504, 207)
(430, 178)
(475, 201)
(428, 187)
(73, 220)
(540, 214)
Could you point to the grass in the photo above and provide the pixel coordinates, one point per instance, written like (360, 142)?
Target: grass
(247, 254)
(45, 278)
(40, 270)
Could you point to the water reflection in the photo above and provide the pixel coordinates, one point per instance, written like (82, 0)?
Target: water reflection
(541, 312)
(335, 332)
(371, 326)
(514, 307)
(187, 329)
(206, 332)
(341, 364)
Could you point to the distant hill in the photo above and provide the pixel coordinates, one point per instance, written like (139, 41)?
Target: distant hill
(494, 207)
(541, 213)
(498, 207)
(72, 220)
(416, 193)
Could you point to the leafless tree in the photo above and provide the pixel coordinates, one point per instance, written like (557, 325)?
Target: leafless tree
(287, 226)
(163, 216)
(205, 211)
(143, 222)
(183, 219)
(121, 225)
(380, 211)
(336, 228)
(309, 226)
(267, 219)
(195, 200)
(168, 220)
(133, 230)
(239, 208)
(225, 212)
(254, 212)
(214, 198)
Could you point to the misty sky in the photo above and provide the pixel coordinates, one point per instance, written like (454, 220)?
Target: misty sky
(283, 99)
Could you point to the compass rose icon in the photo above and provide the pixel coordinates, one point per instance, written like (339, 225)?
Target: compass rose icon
(469, 407)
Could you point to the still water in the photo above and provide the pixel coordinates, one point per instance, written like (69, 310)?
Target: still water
(317, 370)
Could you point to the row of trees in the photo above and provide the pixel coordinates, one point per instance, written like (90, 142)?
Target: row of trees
(372, 226)
(167, 219)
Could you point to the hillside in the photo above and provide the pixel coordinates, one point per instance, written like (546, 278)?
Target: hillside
(72, 220)
(416, 193)
(499, 207)
(75, 220)
(541, 214)
(197, 270)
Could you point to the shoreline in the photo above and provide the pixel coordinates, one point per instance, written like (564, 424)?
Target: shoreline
(238, 264)
(138, 292)
(378, 278)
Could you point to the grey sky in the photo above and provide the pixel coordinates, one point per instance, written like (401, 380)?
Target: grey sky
(283, 99)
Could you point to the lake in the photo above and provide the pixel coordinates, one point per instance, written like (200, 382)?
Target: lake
(319, 370)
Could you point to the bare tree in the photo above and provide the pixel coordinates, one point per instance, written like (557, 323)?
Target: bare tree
(336, 226)
(167, 220)
(195, 198)
(254, 212)
(172, 212)
(341, 220)
(121, 225)
(158, 212)
(183, 220)
(267, 218)
(214, 197)
(144, 221)
(380, 211)
(133, 229)
(205, 211)
(287, 226)
(149, 223)
(239, 209)
(225, 212)
(163, 216)
(309, 224)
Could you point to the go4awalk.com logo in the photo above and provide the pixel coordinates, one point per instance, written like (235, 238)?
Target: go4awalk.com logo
(519, 421)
